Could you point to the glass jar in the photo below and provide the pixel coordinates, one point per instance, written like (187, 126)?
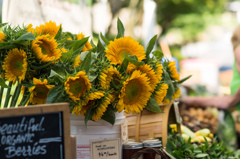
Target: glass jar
(129, 148)
(153, 144)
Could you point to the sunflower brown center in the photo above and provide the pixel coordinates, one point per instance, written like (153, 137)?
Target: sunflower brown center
(45, 48)
(17, 65)
(77, 86)
(124, 51)
(41, 91)
(132, 91)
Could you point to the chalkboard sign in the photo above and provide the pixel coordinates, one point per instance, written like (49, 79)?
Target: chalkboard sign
(35, 132)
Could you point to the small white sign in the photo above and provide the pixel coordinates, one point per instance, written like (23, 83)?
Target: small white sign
(108, 148)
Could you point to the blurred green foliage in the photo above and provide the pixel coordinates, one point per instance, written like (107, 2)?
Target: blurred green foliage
(181, 13)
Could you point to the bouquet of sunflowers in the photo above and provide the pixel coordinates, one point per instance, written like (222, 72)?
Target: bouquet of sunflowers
(46, 65)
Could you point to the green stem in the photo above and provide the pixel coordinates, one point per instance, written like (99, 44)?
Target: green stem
(1, 96)
(8, 95)
(23, 97)
(16, 95)
(25, 100)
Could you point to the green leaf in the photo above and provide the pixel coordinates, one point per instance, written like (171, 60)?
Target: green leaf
(41, 65)
(170, 146)
(53, 73)
(150, 46)
(123, 66)
(86, 64)
(153, 106)
(100, 47)
(184, 79)
(27, 36)
(92, 77)
(171, 89)
(79, 44)
(3, 24)
(93, 45)
(120, 28)
(27, 84)
(69, 43)
(59, 33)
(104, 39)
(2, 83)
(158, 54)
(53, 94)
(109, 116)
(88, 115)
(133, 59)
(201, 155)
(9, 46)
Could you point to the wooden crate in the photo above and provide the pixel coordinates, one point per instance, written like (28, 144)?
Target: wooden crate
(149, 124)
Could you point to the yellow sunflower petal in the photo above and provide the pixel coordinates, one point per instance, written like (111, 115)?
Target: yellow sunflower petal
(48, 28)
(46, 48)
(161, 93)
(30, 29)
(116, 50)
(87, 46)
(173, 69)
(107, 75)
(77, 86)
(135, 93)
(2, 37)
(38, 93)
(102, 108)
(176, 94)
(15, 65)
(148, 70)
(77, 61)
(159, 71)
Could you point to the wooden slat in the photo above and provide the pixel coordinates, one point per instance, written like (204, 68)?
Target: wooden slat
(146, 128)
(151, 118)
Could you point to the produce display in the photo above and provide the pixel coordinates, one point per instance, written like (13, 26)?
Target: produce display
(199, 118)
(194, 137)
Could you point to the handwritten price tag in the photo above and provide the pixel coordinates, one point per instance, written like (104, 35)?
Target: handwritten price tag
(102, 149)
(124, 130)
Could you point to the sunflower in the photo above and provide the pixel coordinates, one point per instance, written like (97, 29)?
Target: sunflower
(87, 103)
(102, 108)
(77, 86)
(161, 93)
(77, 62)
(15, 65)
(116, 50)
(2, 37)
(48, 28)
(39, 91)
(108, 75)
(175, 95)
(30, 29)
(148, 70)
(46, 48)
(135, 93)
(87, 46)
(159, 71)
(173, 70)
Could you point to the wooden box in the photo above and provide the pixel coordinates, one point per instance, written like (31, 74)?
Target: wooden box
(148, 124)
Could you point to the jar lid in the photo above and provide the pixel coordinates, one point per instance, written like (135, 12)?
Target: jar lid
(132, 145)
(152, 144)
(129, 141)
(148, 140)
